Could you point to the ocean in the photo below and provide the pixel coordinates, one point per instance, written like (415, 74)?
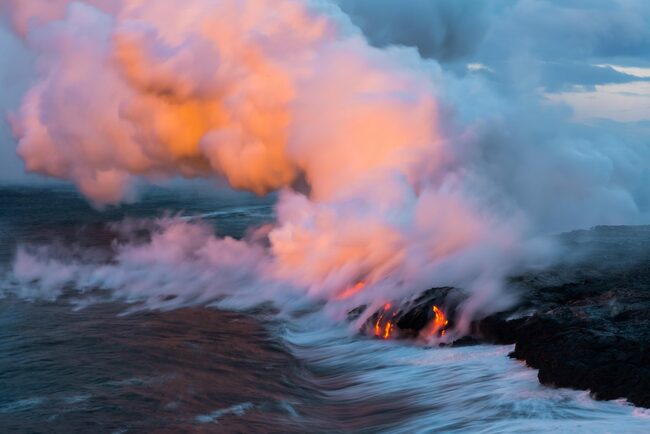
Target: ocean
(93, 360)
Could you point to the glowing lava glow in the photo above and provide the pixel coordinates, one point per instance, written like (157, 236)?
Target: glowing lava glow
(351, 291)
(439, 322)
(387, 330)
(383, 329)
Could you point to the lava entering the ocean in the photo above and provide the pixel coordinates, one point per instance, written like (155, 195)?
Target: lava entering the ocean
(386, 323)
(384, 328)
(439, 322)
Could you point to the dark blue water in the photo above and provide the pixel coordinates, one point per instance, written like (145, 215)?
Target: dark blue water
(63, 370)
(108, 367)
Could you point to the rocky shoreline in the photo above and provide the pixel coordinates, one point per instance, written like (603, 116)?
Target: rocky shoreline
(584, 324)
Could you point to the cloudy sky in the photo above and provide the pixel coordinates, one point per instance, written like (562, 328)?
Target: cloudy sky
(592, 55)
(567, 80)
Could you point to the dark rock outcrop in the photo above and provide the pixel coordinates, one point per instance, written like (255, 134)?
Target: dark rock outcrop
(409, 317)
(590, 327)
(584, 323)
(590, 321)
(600, 343)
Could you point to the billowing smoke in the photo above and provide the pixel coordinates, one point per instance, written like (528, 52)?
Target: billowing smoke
(392, 172)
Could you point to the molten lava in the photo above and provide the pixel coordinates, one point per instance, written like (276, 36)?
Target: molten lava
(387, 329)
(384, 329)
(439, 322)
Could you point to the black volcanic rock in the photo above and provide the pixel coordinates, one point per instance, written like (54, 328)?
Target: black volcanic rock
(412, 316)
(418, 313)
(584, 323)
(590, 327)
(599, 343)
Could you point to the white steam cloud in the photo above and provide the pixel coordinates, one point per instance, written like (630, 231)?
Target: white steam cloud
(416, 177)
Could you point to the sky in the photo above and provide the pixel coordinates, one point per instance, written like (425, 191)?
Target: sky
(579, 68)
(571, 51)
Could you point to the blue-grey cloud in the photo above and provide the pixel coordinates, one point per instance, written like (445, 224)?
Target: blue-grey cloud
(563, 174)
(442, 29)
(15, 70)
(556, 38)
(558, 76)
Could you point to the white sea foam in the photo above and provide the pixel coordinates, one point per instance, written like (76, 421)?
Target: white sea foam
(474, 389)
(237, 410)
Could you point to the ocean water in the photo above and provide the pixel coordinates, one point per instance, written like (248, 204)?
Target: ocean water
(94, 363)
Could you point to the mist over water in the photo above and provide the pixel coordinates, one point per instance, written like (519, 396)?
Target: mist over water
(88, 359)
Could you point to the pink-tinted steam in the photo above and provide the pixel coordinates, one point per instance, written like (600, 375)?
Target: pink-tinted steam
(261, 92)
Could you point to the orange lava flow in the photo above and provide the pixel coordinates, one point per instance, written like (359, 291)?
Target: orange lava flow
(384, 330)
(387, 329)
(439, 322)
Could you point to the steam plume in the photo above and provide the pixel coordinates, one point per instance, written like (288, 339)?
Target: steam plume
(406, 189)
